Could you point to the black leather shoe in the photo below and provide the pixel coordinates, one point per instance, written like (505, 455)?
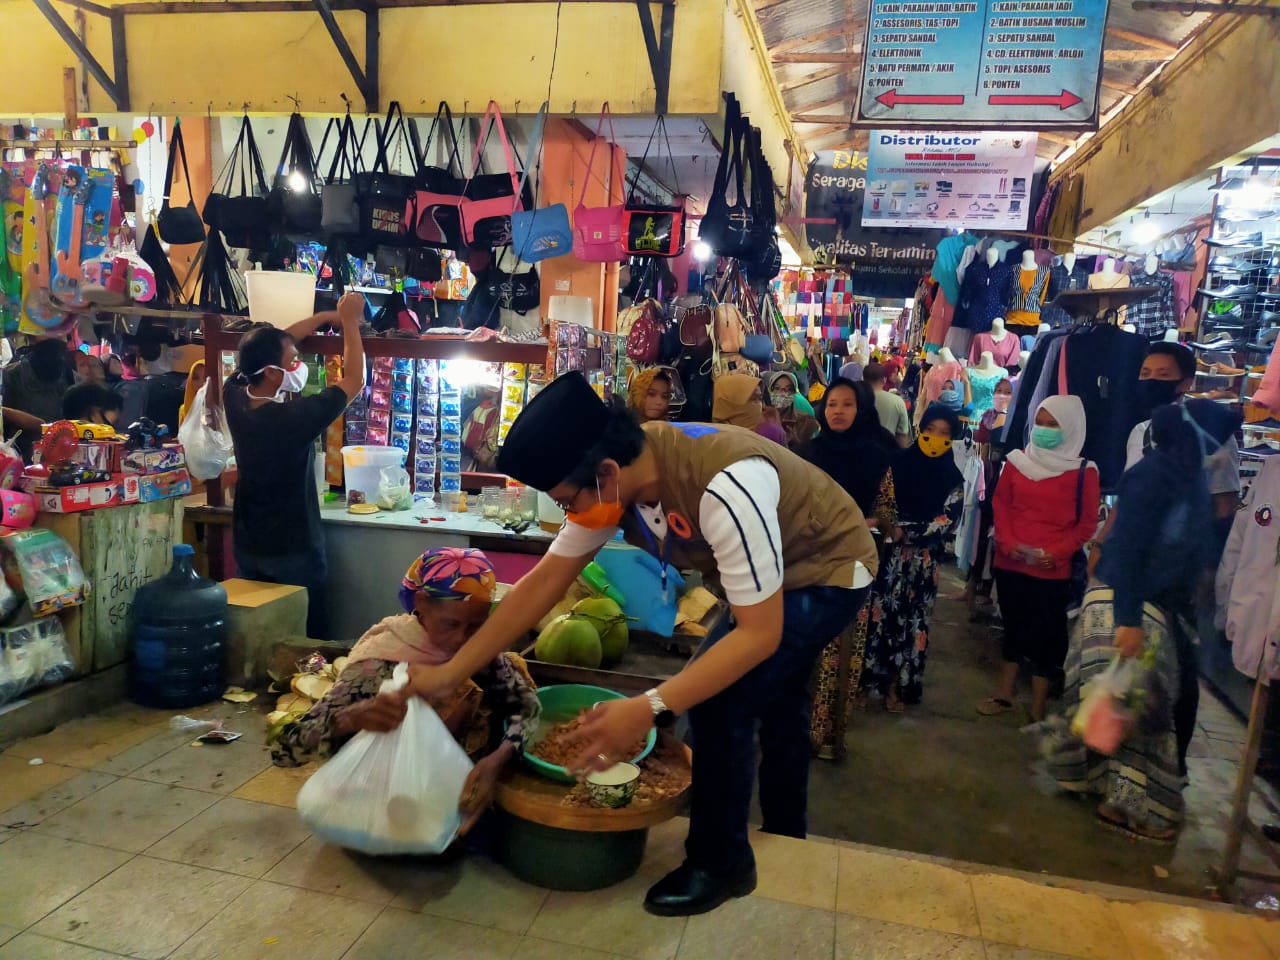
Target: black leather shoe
(1237, 291)
(689, 890)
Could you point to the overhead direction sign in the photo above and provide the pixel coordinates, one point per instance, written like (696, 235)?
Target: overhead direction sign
(1023, 64)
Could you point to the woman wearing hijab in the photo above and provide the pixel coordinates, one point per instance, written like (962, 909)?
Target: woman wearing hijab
(649, 395)
(800, 427)
(1045, 509)
(855, 451)
(196, 378)
(929, 490)
(738, 401)
(446, 595)
(1151, 563)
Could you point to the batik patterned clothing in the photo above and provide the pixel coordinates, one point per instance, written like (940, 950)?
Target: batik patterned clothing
(825, 704)
(503, 693)
(901, 604)
(1140, 780)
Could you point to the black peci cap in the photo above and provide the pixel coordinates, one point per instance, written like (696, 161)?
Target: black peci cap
(553, 434)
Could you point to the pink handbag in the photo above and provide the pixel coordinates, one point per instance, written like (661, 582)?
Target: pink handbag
(487, 223)
(597, 231)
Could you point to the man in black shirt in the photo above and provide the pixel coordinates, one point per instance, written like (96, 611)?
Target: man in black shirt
(277, 530)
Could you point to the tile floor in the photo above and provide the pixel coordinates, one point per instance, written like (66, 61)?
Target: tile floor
(127, 841)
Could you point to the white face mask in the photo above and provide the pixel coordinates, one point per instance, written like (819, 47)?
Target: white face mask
(293, 382)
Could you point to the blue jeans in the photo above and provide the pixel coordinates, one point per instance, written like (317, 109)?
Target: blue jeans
(775, 695)
(306, 569)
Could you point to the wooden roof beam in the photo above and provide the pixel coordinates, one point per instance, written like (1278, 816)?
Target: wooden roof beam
(1135, 56)
(799, 43)
(817, 58)
(847, 97)
(826, 74)
(824, 118)
(1143, 39)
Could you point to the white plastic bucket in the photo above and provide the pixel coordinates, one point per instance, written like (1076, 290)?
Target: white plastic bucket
(280, 297)
(362, 465)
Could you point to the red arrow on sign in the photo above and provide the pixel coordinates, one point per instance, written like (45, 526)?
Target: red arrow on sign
(1063, 100)
(891, 98)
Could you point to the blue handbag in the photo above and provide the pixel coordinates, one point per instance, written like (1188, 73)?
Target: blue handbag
(539, 234)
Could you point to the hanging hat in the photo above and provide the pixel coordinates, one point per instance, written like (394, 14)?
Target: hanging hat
(553, 434)
(449, 573)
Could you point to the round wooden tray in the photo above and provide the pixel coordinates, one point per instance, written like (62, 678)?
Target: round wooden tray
(534, 798)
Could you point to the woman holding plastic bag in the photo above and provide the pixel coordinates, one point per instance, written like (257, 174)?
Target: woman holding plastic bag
(1122, 664)
(446, 594)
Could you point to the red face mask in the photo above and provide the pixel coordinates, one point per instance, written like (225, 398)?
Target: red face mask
(600, 515)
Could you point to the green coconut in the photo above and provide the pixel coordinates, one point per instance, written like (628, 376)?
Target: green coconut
(570, 641)
(610, 622)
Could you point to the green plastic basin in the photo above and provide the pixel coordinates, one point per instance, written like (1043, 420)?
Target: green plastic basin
(562, 702)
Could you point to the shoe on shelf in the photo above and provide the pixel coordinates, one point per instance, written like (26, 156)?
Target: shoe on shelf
(689, 890)
(1235, 240)
(1237, 291)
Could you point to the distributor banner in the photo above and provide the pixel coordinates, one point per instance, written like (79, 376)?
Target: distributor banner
(885, 261)
(1027, 64)
(968, 180)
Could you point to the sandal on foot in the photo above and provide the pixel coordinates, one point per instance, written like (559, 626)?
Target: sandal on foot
(994, 706)
(1110, 817)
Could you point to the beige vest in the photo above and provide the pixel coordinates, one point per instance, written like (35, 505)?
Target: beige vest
(824, 534)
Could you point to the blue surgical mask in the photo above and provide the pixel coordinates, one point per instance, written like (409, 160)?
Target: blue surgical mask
(1046, 438)
(950, 398)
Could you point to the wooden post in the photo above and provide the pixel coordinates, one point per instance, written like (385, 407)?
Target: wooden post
(70, 99)
(1244, 784)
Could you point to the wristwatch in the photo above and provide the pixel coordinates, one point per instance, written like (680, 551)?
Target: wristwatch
(662, 715)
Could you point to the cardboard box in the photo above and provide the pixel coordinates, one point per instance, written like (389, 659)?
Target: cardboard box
(130, 488)
(161, 486)
(159, 460)
(85, 496)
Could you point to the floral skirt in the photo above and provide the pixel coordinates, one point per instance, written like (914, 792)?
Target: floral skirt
(827, 702)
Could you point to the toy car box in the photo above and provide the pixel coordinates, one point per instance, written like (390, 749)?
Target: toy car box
(158, 460)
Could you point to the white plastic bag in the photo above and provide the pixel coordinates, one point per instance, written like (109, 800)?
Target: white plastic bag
(396, 792)
(394, 492)
(205, 438)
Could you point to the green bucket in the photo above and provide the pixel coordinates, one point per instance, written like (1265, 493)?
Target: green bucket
(562, 702)
(559, 859)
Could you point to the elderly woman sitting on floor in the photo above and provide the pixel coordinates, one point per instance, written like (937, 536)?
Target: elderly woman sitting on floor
(446, 594)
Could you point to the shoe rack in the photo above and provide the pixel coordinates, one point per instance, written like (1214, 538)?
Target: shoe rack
(1240, 299)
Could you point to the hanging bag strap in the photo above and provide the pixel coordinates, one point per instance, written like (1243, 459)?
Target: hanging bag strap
(343, 167)
(253, 160)
(605, 113)
(493, 118)
(454, 161)
(721, 184)
(176, 146)
(535, 146)
(661, 124)
(400, 131)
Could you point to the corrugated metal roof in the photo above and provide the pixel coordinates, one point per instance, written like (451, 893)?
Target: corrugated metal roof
(787, 23)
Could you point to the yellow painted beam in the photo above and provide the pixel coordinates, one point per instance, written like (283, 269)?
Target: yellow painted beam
(1176, 127)
(266, 60)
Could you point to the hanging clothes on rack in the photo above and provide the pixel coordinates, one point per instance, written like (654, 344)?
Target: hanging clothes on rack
(1099, 363)
(1248, 581)
(984, 295)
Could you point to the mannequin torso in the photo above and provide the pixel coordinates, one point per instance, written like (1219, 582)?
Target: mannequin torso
(1030, 290)
(998, 332)
(1110, 279)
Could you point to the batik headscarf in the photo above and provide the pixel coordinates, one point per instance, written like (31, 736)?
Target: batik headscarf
(449, 573)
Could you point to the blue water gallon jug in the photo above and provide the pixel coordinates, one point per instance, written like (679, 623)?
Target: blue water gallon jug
(180, 637)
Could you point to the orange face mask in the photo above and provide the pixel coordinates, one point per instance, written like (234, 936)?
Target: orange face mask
(600, 515)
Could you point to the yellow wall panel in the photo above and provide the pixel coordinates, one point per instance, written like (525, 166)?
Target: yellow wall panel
(193, 63)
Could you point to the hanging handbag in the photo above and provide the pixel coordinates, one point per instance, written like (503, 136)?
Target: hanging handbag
(220, 288)
(424, 264)
(294, 207)
(179, 224)
(383, 193)
(764, 262)
(394, 314)
(654, 230)
(695, 332)
(597, 231)
(432, 209)
(168, 289)
(727, 228)
(486, 221)
(339, 205)
(239, 210)
(517, 290)
(540, 233)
